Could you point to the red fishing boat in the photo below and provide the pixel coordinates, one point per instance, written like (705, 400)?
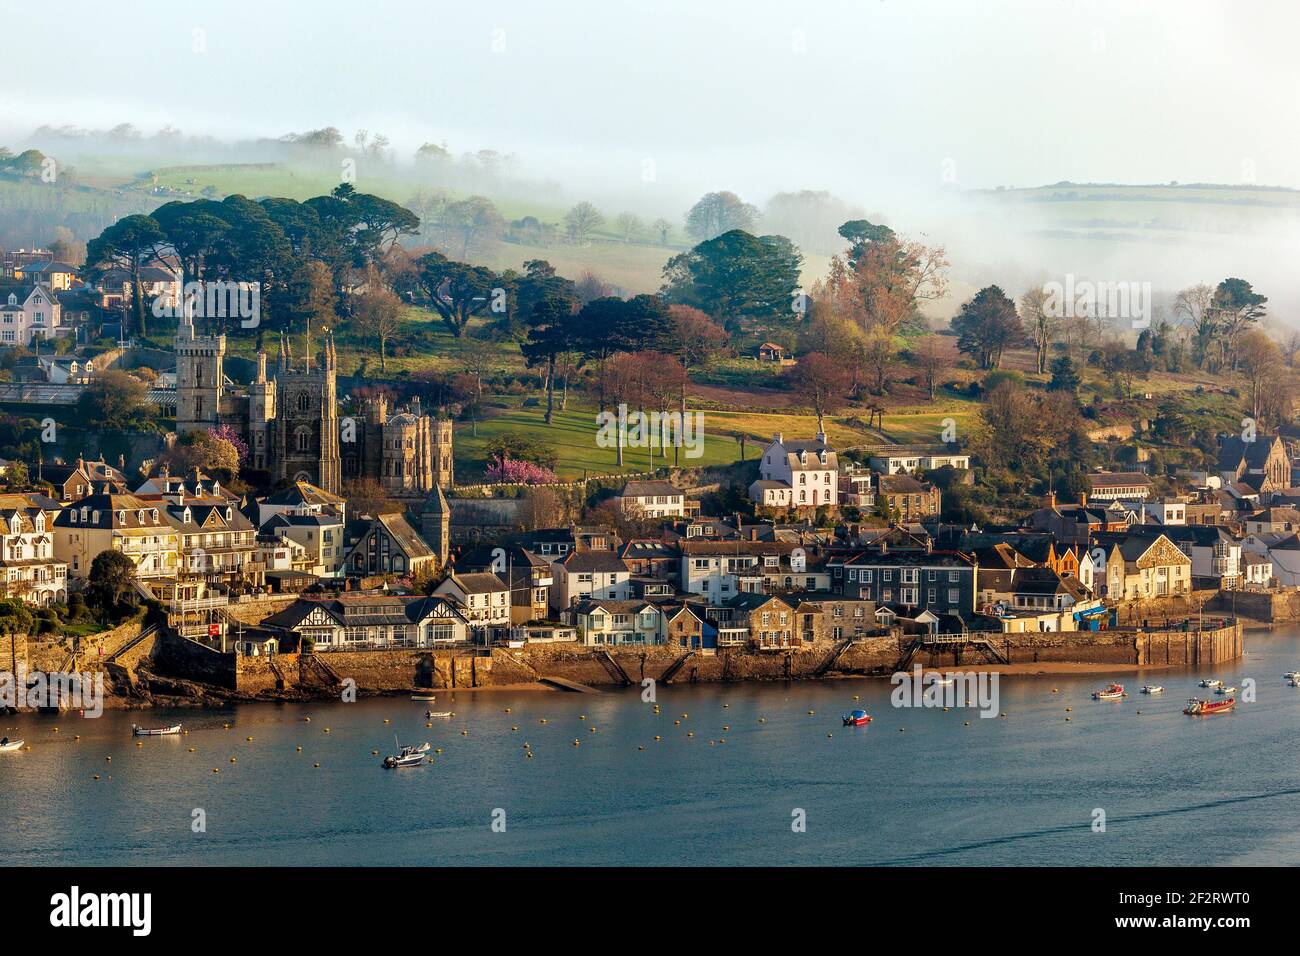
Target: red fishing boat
(1197, 707)
(1113, 692)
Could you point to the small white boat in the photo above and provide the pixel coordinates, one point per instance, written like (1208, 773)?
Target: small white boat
(1152, 689)
(1294, 682)
(1211, 682)
(1225, 690)
(1291, 675)
(423, 697)
(155, 731)
(939, 680)
(7, 745)
(407, 756)
(430, 714)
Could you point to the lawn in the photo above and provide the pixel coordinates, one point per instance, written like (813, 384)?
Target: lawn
(572, 437)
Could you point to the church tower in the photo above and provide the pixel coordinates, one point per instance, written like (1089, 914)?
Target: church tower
(199, 377)
(261, 415)
(304, 437)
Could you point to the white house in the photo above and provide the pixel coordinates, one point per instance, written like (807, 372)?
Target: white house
(590, 574)
(651, 499)
(484, 599)
(809, 469)
(1282, 549)
(908, 459)
(29, 315)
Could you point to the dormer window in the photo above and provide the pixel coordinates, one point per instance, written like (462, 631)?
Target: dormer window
(155, 514)
(139, 517)
(121, 516)
(72, 516)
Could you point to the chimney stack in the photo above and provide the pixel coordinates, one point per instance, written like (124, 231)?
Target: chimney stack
(1083, 498)
(1049, 500)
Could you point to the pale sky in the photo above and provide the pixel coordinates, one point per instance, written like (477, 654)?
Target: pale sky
(857, 96)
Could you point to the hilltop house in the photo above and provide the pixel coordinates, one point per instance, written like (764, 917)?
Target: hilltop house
(27, 315)
(808, 469)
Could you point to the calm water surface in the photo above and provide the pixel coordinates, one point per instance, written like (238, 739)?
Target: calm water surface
(1019, 790)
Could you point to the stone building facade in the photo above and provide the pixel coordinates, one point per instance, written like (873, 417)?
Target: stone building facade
(291, 423)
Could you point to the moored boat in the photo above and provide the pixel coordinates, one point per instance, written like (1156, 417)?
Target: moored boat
(1113, 692)
(7, 745)
(1224, 691)
(858, 718)
(431, 714)
(1211, 682)
(1152, 689)
(139, 731)
(424, 697)
(408, 756)
(1196, 707)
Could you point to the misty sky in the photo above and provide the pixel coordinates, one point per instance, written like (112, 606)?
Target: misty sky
(857, 97)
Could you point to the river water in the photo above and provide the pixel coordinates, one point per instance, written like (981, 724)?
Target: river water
(916, 786)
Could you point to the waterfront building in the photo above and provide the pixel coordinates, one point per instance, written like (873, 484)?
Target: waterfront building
(943, 582)
(484, 600)
(373, 622)
(529, 576)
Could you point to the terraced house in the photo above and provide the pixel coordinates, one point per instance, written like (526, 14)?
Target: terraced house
(118, 522)
(720, 570)
(218, 543)
(942, 582)
(28, 569)
(608, 621)
(590, 574)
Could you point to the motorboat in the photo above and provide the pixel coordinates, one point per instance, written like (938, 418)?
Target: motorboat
(1224, 691)
(424, 697)
(1113, 692)
(155, 731)
(1199, 708)
(431, 714)
(8, 745)
(858, 718)
(1152, 689)
(1211, 682)
(409, 756)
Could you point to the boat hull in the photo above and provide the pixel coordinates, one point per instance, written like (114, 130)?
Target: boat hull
(12, 746)
(155, 731)
(1204, 708)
